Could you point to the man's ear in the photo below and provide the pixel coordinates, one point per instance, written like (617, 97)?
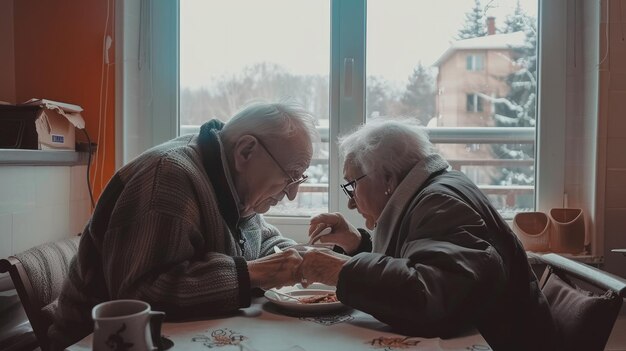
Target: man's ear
(243, 151)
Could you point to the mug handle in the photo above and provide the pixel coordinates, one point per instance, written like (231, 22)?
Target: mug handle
(156, 320)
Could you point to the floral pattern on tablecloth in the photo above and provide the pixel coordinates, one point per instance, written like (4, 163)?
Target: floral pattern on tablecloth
(479, 348)
(219, 337)
(388, 343)
(329, 320)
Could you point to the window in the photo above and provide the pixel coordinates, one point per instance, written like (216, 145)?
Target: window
(474, 103)
(225, 64)
(474, 63)
(410, 69)
(478, 87)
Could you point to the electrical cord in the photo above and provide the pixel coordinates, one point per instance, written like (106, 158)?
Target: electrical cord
(99, 156)
(88, 168)
(606, 53)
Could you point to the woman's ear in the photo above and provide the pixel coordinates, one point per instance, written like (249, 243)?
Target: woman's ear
(390, 182)
(243, 151)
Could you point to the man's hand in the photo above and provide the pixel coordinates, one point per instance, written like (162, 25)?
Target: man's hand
(322, 266)
(273, 271)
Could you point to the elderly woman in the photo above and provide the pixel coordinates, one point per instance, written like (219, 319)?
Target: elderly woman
(442, 260)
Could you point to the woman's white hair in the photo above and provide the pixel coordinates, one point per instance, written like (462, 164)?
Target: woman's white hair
(390, 146)
(269, 121)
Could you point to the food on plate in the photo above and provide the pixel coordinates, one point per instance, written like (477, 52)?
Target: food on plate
(393, 343)
(326, 298)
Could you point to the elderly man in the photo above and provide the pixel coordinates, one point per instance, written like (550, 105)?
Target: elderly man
(179, 226)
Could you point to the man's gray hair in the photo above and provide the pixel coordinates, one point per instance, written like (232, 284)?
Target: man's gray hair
(269, 121)
(390, 146)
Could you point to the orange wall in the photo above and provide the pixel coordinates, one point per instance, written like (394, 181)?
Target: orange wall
(59, 56)
(7, 59)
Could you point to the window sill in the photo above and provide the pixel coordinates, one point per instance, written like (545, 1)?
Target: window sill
(290, 220)
(15, 157)
(596, 261)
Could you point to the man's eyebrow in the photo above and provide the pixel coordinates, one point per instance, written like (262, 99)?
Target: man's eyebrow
(297, 166)
(295, 172)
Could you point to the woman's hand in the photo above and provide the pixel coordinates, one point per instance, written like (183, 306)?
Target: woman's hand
(322, 266)
(276, 270)
(343, 234)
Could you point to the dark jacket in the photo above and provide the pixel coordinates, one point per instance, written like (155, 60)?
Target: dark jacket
(445, 261)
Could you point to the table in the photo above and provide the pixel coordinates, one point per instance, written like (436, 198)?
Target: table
(265, 327)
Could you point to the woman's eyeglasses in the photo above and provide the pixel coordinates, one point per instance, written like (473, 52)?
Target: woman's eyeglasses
(350, 186)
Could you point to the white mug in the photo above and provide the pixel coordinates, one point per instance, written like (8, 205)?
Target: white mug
(126, 325)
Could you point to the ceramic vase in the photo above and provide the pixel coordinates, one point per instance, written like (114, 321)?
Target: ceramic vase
(533, 230)
(568, 230)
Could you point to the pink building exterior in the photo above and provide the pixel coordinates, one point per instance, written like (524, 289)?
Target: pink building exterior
(466, 70)
(471, 66)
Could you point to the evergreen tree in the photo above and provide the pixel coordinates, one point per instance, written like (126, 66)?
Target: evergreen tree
(517, 21)
(376, 98)
(474, 25)
(418, 99)
(519, 107)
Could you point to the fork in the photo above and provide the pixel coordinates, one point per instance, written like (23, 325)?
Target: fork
(320, 232)
(285, 295)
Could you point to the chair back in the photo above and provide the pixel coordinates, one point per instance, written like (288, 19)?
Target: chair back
(584, 319)
(38, 275)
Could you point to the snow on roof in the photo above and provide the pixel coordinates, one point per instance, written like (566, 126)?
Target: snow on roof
(496, 41)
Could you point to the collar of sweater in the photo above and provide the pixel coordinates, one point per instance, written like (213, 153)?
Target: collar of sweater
(399, 200)
(216, 168)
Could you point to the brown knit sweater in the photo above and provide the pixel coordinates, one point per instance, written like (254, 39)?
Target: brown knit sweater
(166, 230)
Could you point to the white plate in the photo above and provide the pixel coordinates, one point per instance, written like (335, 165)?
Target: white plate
(298, 291)
(304, 248)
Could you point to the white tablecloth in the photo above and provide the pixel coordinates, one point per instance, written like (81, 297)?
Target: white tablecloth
(264, 327)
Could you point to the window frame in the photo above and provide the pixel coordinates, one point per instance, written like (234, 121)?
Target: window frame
(472, 60)
(476, 103)
(157, 110)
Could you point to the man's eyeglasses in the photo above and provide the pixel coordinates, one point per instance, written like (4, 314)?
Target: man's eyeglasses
(350, 186)
(292, 181)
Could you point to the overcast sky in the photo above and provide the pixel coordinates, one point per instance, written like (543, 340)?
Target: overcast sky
(221, 37)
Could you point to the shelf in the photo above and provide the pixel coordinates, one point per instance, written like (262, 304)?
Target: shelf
(13, 157)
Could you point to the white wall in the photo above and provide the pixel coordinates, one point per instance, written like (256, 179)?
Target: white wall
(595, 157)
(40, 204)
(582, 115)
(612, 132)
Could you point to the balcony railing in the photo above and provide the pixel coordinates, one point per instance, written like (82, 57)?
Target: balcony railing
(481, 135)
(491, 135)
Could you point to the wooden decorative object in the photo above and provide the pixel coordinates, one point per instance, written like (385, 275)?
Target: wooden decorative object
(533, 230)
(568, 230)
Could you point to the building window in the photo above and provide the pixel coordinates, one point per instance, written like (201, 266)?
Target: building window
(474, 62)
(474, 103)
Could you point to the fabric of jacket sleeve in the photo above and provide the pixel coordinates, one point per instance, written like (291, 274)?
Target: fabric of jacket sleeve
(443, 280)
(365, 245)
(270, 237)
(161, 256)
